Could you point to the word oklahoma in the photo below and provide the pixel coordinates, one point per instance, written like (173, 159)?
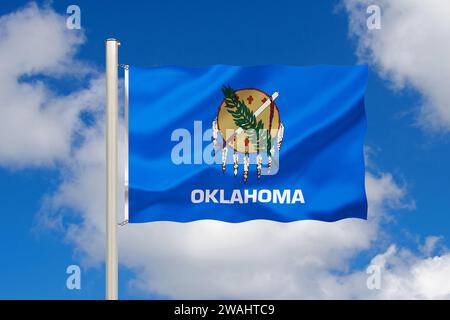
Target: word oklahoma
(247, 196)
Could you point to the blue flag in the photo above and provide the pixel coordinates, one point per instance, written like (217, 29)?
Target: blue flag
(234, 144)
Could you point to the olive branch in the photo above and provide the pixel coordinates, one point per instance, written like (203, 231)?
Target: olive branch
(244, 118)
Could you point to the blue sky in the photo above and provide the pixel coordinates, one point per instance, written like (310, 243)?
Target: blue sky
(233, 32)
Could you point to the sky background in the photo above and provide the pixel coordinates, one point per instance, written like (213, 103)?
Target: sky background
(51, 175)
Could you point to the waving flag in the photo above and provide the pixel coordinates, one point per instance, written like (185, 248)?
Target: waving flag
(235, 144)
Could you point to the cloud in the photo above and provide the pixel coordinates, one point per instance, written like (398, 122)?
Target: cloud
(258, 259)
(430, 245)
(404, 275)
(37, 125)
(408, 276)
(410, 49)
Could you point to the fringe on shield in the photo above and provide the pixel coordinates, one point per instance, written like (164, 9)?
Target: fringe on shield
(246, 159)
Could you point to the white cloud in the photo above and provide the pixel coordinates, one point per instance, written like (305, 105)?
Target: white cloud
(411, 48)
(259, 259)
(37, 125)
(406, 275)
(430, 245)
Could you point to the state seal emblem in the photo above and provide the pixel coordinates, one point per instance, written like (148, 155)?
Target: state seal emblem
(248, 121)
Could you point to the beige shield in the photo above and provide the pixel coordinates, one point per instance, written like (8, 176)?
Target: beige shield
(253, 98)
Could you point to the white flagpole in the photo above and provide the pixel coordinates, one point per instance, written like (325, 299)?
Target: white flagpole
(111, 168)
(126, 87)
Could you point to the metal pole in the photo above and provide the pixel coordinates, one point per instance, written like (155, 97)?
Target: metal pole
(111, 168)
(126, 87)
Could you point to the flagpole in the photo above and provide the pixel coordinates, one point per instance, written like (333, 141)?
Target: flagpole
(111, 168)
